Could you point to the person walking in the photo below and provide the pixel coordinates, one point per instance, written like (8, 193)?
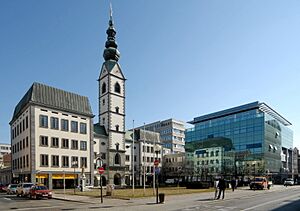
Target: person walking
(222, 187)
(216, 183)
(233, 184)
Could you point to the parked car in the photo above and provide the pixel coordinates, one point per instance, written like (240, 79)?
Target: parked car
(3, 188)
(23, 189)
(288, 181)
(40, 191)
(260, 183)
(11, 189)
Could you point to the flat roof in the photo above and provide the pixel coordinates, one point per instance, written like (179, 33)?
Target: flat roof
(250, 106)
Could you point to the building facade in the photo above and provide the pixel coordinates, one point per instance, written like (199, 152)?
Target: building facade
(171, 133)
(257, 136)
(147, 149)
(174, 166)
(4, 149)
(51, 137)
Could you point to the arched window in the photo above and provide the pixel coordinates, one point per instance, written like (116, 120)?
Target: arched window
(103, 88)
(117, 127)
(117, 88)
(117, 110)
(117, 159)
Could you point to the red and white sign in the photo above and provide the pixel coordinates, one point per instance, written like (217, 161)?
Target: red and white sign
(156, 162)
(101, 170)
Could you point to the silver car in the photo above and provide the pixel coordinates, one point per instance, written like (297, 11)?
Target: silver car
(23, 189)
(288, 181)
(11, 189)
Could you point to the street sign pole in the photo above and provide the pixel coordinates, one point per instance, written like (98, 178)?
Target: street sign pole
(101, 189)
(101, 171)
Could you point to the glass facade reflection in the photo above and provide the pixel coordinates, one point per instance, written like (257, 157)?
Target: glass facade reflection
(256, 134)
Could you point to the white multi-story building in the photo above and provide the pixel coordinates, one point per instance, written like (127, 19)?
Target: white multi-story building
(147, 149)
(4, 149)
(51, 137)
(171, 133)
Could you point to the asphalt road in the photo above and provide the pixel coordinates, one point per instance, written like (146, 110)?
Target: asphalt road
(277, 199)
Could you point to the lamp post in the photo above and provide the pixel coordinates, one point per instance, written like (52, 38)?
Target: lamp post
(157, 150)
(74, 164)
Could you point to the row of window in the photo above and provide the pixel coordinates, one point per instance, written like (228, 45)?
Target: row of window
(19, 128)
(24, 143)
(5, 148)
(21, 162)
(64, 124)
(117, 88)
(63, 162)
(64, 143)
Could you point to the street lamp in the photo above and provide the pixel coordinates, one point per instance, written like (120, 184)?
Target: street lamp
(157, 149)
(74, 165)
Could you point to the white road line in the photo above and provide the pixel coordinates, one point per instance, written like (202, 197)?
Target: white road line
(269, 202)
(7, 199)
(38, 208)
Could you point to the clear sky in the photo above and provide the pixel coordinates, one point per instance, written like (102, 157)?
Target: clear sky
(182, 58)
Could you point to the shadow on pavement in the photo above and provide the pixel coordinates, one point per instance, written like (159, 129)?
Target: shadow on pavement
(295, 205)
(208, 199)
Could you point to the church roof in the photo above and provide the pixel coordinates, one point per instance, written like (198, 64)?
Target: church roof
(43, 95)
(99, 129)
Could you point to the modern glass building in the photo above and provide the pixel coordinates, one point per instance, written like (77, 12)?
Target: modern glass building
(251, 137)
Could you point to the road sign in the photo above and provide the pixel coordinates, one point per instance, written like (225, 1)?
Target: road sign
(156, 162)
(101, 170)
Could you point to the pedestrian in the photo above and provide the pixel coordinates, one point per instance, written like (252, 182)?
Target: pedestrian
(222, 187)
(216, 183)
(233, 184)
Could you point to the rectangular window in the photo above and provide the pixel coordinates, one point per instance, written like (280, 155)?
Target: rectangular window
(83, 145)
(83, 162)
(65, 143)
(23, 124)
(55, 142)
(65, 161)
(64, 125)
(55, 160)
(82, 128)
(54, 123)
(127, 157)
(44, 160)
(27, 160)
(44, 141)
(24, 143)
(27, 141)
(20, 145)
(74, 144)
(74, 162)
(74, 126)
(103, 156)
(44, 121)
(26, 122)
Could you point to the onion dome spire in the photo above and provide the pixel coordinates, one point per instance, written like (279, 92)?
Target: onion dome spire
(111, 52)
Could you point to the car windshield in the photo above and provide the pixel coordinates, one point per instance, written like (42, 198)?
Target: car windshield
(259, 179)
(41, 188)
(289, 179)
(27, 185)
(13, 186)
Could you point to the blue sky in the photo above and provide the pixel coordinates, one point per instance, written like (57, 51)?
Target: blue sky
(182, 58)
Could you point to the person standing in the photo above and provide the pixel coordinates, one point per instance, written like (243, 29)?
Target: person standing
(222, 187)
(216, 183)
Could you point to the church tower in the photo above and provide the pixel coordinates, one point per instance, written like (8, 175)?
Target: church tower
(112, 107)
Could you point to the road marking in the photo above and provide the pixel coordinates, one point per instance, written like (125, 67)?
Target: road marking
(269, 202)
(38, 208)
(7, 199)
